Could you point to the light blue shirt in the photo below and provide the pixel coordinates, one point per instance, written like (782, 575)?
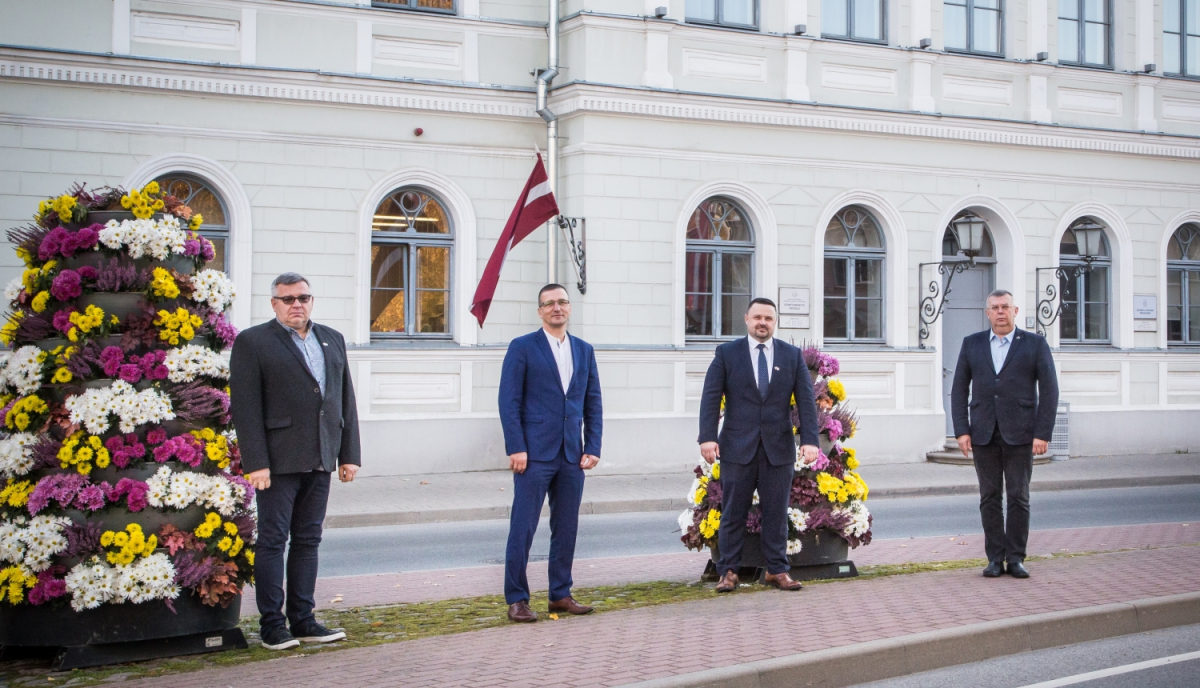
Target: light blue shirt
(1000, 346)
(310, 349)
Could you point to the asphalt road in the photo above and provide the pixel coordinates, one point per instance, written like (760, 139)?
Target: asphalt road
(1075, 665)
(385, 549)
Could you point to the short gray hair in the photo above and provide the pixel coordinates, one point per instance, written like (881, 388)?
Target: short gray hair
(287, 279)
(996, 294)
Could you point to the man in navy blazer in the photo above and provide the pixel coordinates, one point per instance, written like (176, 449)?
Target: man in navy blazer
(1013, 400)
(551, 412)
(757, 376)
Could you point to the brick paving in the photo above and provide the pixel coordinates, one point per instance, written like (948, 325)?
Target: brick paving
(621, 647)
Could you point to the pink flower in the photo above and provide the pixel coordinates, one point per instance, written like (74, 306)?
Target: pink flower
(156, 437)
(66, 286)
(62, 320)
(131, 373)
(110, 360)
(90, 498)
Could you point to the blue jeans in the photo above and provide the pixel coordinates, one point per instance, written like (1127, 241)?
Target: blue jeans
(563, 481)
(293, 506)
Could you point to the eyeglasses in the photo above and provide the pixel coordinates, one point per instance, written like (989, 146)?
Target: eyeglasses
(289, 300)
(561, 302)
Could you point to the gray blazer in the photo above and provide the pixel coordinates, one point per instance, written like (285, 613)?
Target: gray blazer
(282, 421)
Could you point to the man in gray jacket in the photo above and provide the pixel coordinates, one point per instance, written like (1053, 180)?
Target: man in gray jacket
(296, 419)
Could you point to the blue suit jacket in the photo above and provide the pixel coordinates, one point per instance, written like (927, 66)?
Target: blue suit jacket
(537, 416)
(748, 417)
(1022, 399)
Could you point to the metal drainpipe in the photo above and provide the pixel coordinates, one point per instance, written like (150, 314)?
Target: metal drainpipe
(543, 85)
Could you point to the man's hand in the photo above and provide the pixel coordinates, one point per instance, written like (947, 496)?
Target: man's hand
(588, 461)
(711, 451)
(809, 454)
(517, 462)
(1040, 447)
(260, 479)
(964, 444)
(346, 472)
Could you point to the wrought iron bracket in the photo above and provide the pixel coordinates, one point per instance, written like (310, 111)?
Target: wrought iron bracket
(576, 250)
(936, 294)
(1049, 305)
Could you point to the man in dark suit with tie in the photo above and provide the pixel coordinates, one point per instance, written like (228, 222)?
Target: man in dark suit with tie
(293, 406)
(1013, 400)
(550, 410)
(757, 376)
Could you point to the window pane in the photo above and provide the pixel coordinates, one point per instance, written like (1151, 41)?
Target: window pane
(1193, 56)
(989, 4)
(868, 319)
(737, 12)
(1096, 321)
(868, 278)
(1095, 10)
(1171, 53)
(433, 267)
(436, 4)
(1068, 9)
(1095, 284)
(835, 298)
(1171, 15)
(431, 312)
(387, 288)
(718, 219)
(1069, 319)
(1193, 289)
(833, 18)
(987, 31)
(733, 312)
(868, 19)
(1068, 40)
(705, 10)
(1174, 305)
(1185, 243)
(1095, 316)
(409, 210)
(954, 24)
(699, 315)
(698, 300)
(735, 273)
(699, 272)
(218, 261)
(1191, 16)
(1095, 43)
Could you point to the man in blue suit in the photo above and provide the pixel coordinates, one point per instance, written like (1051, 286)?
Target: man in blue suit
(550, 408)
(1010, 417)
(757, 376)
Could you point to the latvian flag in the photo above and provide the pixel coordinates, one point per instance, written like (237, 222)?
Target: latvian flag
(535, 206)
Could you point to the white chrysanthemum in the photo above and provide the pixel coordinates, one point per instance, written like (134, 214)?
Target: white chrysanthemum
(799, 519)
(859, 523)
(794, 547)
(13, 289)
(184, 488)
(754, 499)
(132, 408)
(43, 538)
(214, 288)
(16, 454)
(685, 521)
(189, 362)
(706, 467)
(24, 370)
(12, 549)
(691, 495)
(157, 238)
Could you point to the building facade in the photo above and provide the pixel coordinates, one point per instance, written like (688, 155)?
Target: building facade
(819, 153)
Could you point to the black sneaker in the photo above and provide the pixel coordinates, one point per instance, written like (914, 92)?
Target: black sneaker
(313, 632)
(278, 638)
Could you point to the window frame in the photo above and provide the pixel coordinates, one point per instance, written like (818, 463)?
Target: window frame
(851, 254)
(720, 21)
(413, 240)
(1183, 36)
(1183, 266)
(970, 49)
(1070, 261)
(850, 26)
(718, 249)
(412, 6)
(207, 229)
(1082, 40)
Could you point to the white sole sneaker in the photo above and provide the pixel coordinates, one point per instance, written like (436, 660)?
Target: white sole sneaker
(332, 637)
(285, 645)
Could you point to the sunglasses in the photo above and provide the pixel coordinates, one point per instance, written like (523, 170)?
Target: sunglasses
(289, 300)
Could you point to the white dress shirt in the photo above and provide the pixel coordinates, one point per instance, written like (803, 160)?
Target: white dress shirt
(1000, 347)
(769, 350)
(562, 356)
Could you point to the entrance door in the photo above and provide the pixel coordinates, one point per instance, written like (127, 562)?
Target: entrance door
(963, 315)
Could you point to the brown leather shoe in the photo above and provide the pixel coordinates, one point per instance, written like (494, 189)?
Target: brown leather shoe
(729, 582)
(521, 613)
(782, 581)
(569, 605)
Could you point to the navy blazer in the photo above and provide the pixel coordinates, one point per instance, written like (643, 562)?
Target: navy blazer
(537, 416)
(748, 417)
(1022, 399)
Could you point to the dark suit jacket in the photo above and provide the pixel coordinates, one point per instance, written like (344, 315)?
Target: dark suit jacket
(536, 415)
(748, 418)
(1022, 399)
(283, 423)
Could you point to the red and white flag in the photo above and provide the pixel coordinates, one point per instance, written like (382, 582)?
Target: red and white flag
(535, 206)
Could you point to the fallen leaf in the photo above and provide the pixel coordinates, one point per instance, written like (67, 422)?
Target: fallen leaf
(502, 489)
(904, 545)
(336, 600)
(548, 645)
(424, 482)
(376, 623)
(554, 616)
(404, 479)
(953, 539)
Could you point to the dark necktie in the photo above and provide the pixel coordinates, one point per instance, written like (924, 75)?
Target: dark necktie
(763, 380)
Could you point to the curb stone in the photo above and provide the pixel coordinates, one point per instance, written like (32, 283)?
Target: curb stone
(876, 660)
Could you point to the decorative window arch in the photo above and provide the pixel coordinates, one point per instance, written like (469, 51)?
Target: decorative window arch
(412, 246)
(203, 198)
(718, 269)
(1086, 297)
(854, 286)
(1183, 285)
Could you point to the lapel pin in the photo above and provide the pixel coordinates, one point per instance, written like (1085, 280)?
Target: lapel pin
(324, 344)
(776, 367)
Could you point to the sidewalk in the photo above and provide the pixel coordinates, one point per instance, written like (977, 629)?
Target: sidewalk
(677, 639)
(395, 500)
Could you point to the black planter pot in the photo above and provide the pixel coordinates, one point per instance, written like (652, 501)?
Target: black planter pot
(823, 554)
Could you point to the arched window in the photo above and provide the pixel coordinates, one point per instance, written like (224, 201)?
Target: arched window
(854, 255)
(1183, 285)
(1085, 297)
(720, 270)
(411, 242)
(204, 199)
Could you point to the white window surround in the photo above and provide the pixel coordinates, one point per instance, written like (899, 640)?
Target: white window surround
(1168, 232)
(237, 206)
(895, 270)
(766, 244)
(1121, 246)
(463, 326)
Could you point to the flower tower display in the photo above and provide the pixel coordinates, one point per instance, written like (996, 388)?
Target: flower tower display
(123, 513)
(827, 515)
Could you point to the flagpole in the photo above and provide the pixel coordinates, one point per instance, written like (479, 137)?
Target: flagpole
(543, 109)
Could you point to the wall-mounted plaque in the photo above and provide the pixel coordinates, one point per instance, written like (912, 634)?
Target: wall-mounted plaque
(793, 301)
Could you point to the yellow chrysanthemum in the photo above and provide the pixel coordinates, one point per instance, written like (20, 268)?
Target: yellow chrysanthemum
(39, 301)
(836, 389)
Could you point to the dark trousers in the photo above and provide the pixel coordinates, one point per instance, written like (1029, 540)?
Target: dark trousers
(293, 506)
(563, 481)
(774, 485)
(1004, 468)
